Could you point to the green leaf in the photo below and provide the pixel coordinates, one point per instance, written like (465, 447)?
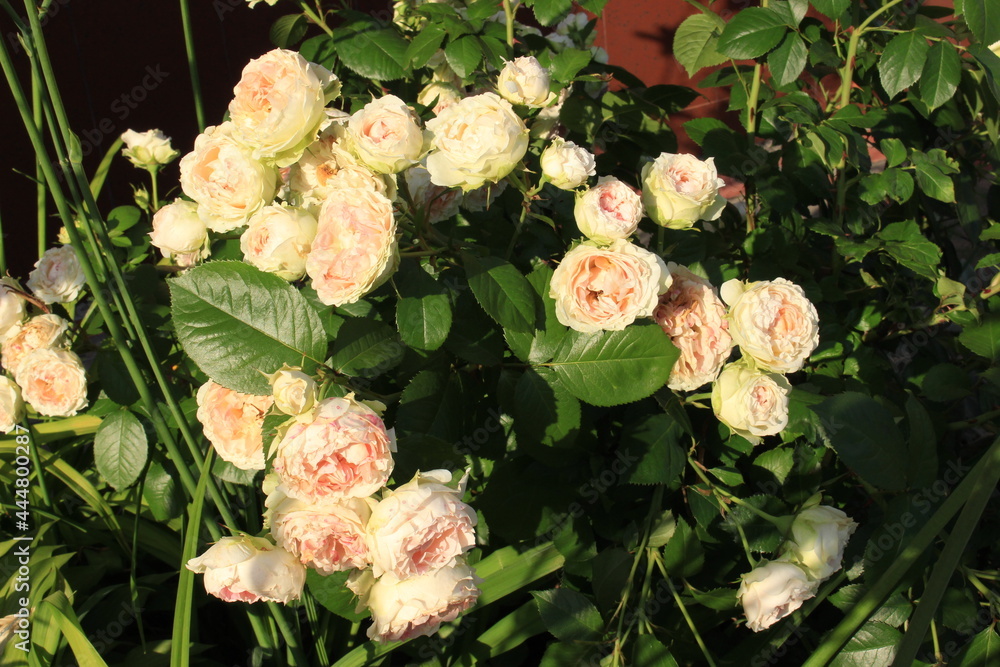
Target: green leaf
(502, 291)
(696, 42)
(933, 181)
(922, 461)
(615, 367)
(541, 345)
(289, 30)
(894, 151)
(568, 63)
(464, 55)
(831, 8)
(752, 33)
(983, 19)
(983, 339)
(238, 323)
(865, 438)
(683, 555)
(227, 472)
(423, 312)
(779, 462)
(902, 62)
(898, 184)
(424, 45)
(874, 645)
(788, 60)
(549, 11)
(946, 382)
(983, 650)
(373, 52)
(331, 592)
(941, 74)
(365, 348)
(569, 615)
(430, 405)
(544, 411)
(161, 493)
(653, 444)
(120, 449)
(906, 243)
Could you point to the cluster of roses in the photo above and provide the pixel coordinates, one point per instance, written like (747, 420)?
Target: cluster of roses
(328, 509)
(813, 552)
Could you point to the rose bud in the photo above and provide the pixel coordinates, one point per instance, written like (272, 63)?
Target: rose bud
(772, 591)
(248, 569)
(524, 81)
(180, 233)
(679, 190)
(148, 150)
(752, 403)
(819, 535)
(567, 165)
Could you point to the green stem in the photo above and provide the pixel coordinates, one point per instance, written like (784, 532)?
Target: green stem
(154, 200)
(290, 636)
(199, 109)
(315, 18)
(40, 192)
(847, 71)
(36, 462)
(508, 11)
(684, 612)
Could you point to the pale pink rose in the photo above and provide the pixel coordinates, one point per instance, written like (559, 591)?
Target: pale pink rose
(180, 233)
(566, 165)
(436, 203)
(421, 526)
(414, 607)
(41, 331)
(53, 382)
(679, 189)
(355, 249)
(608, 211)
(606, 288)
(385, 135)
(233, 422)
(772, 591)
(751, 402)
(278, 239)
(694, 317)
(11, 405)
(279, 104)
(344, 452)
(12, 307)
(329, 537)
(58, 276)
(248, 569)
(441, 93)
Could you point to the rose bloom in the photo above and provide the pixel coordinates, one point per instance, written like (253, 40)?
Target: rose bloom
(819, 535)
(233, 423)
(12, 307)
(694, 317)
(180, 233)
(475, 140)
(772, 591)
(41, 331)
(329, 537)
(435, 202)
(608, 211)
(566, 165)
(279, 105)
(414, 607)
(278, 239)
(11, 404)
(294, 391)
(750, 402)
(355, 249)
(524, 81)
(344, 452)
(679, 190)
(385, 135)
(439, 93)
(773, 322)
(53, 382)
(148, 150)
(421, 526)
(228, 183)
(597, 288)
(248, 569)
(58, 277)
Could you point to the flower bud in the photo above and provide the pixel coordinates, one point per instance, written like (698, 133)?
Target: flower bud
(294, 391)
(148, 150)
(567, 165)
(524, 81)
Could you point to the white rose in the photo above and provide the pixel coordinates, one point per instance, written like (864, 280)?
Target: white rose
(434, 202)
(524, 81)
(58, 277)
(819, 535)
(278, 239)
(476, 140)
(180, 233)
(248, 569)
(11, 404)
(772, 591)
(12, 307)
(385, 135)
(294, 391)
(53, 382)
(228, 183)
(679, 190)
(41, 331)
(148, 150)
(439, 93)
(575, 22)
(566, 165)
(608, 211)
(279, 105)
(750, 402)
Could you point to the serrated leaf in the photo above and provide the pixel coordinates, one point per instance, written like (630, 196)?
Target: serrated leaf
(120, 449)
(894, 151)
(239, 323)
(464, 55)
(423, 312)
(788, 60)
(331, 592)
(874, 645)
(922, 462)
(908, 246)
(941, 74)
(569, 615)
(984, 338)
(983, 19)
(502, 291)
(544, 412)
(982, 651)
(161, 494)
(752, 33)
(549, 11)
(683, 555)
(541, 345)
(647, 650)
(779, 462)
(227, 472)
(831, 8)
(424, 45)
(652, 446)
(430, 405)
(568, 63)
(288, 30)
(365, 348)
(933, 181)
(762, 535)
(696, 42)
(902, 62)
(371, 51)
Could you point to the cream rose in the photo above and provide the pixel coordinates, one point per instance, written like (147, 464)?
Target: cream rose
(773, 322)
(11, 404)
(385, 135)
(294, 391)
(279, 105)
(679, 189)
(414, 607)
(148, 150)
(233, 423)
(694, 317)
(228, 183)
(608, 211)
(278, 239)
(421, 526)
(566, 165)
(12, 307)
(58, 276)
(180, 233)
(53, 382)
(329, 537)
(344, 452)
(475, 140)
(439, 93)
(248, 569)
(750, 402)
(41, 331)
(436, 203)
(772, 591)
(355, 249)
(819, 535)
(597, 288)
(524, 81)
